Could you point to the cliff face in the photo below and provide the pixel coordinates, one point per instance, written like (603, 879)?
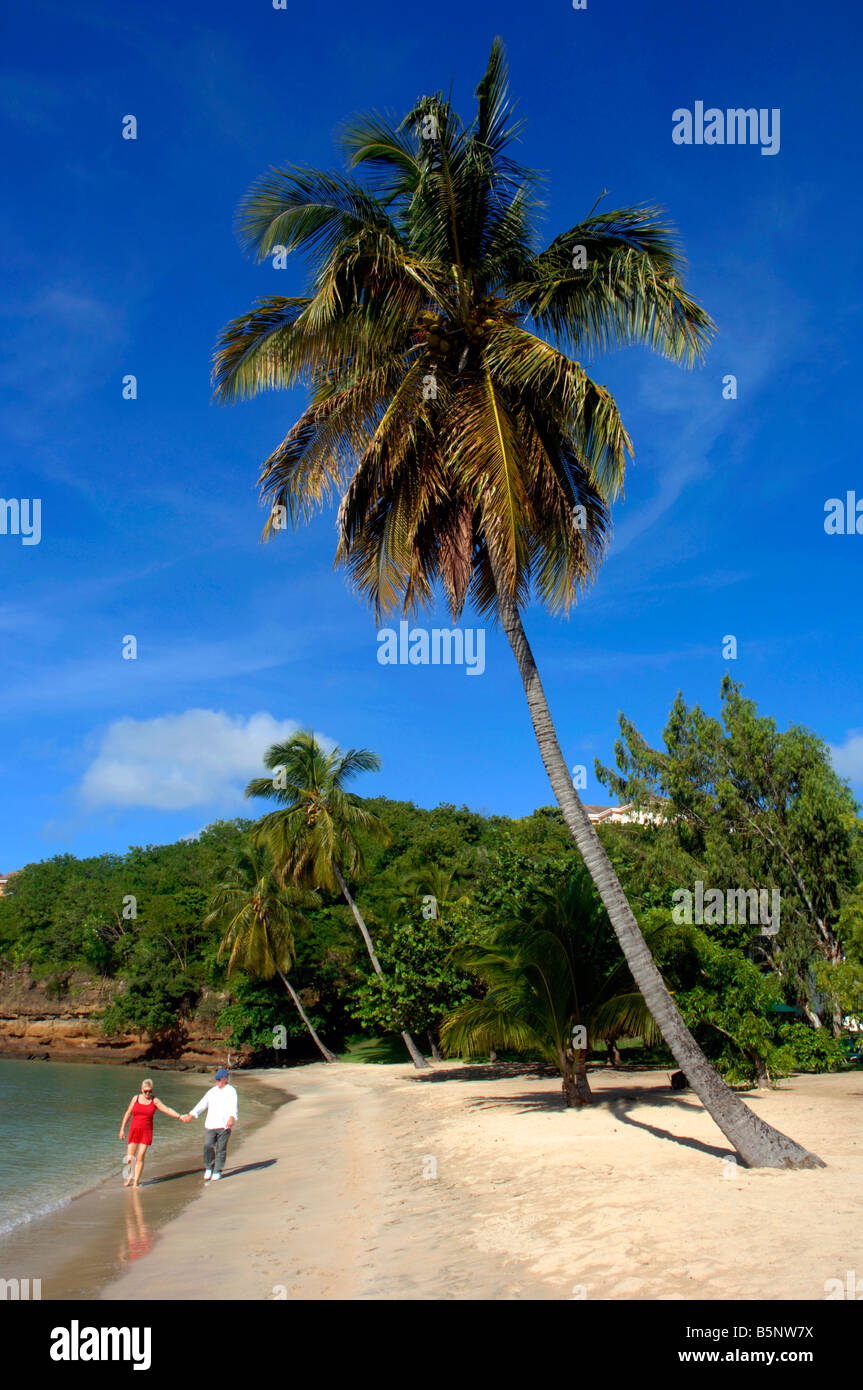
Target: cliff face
(67, 1029)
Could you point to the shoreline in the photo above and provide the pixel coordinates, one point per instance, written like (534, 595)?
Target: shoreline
(77, 1248)
(186, 1061)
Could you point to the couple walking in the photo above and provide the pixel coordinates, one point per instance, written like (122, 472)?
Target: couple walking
(221, 1105)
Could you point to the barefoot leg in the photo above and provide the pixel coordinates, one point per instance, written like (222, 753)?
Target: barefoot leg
(129, 1163)
(139, 1166)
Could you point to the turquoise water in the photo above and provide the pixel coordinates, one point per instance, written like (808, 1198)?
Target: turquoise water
(59, 1124)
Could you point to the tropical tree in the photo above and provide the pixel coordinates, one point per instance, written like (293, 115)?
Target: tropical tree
(553, 987)
(313, 836)
(259, 914)
(467, 447)
(422, 982)
(754, 806)
(439, 888)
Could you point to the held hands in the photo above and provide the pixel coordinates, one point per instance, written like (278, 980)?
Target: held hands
(187, 1119)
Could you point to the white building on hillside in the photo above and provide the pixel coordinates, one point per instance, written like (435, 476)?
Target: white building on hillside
(627, 814)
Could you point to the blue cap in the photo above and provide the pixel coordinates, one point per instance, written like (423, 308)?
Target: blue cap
(220, 1073)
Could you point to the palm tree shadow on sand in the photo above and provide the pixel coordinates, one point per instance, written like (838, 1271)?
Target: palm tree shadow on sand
(617, 1102)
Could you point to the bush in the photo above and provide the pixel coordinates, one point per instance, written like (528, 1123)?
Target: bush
(802, 1048)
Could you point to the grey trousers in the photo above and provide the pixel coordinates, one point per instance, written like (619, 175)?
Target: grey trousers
(215, 1147)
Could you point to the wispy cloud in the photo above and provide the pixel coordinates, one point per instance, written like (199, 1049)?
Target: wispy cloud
(172, 763)
(684, 416)
(109, 679)
(59, 341)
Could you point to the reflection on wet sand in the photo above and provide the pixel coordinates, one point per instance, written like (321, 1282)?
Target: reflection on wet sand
(139, 1238)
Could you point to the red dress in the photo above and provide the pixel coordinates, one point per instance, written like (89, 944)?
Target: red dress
(141, 1128)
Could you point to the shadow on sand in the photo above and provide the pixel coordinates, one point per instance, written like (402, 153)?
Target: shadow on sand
(196, 1173)
(249, 1168)
(618, 1100)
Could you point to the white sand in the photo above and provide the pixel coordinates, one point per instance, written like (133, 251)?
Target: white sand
(634, 1198)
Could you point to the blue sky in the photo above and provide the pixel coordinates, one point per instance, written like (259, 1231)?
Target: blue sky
(121, 259)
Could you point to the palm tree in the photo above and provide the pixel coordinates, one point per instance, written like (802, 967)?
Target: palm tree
(259, 915)
(313, 836)
(548, 974)
(441, 885)
(467, 447)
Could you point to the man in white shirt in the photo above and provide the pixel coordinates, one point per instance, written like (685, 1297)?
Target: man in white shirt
(221, 1106)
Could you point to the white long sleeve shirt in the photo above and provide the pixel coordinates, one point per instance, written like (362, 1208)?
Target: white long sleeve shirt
(220, 1103)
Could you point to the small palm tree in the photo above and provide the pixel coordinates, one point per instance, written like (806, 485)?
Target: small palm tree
(313, 836)
(551, 988)
(259, 914)
(441, 885)
(450, 413)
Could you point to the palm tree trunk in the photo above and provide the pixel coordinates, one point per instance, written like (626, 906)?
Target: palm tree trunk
(417, 1058)
(570, 1097)
(582, 1085)
(758, 1145)
(327, 1055)
(762, 1073)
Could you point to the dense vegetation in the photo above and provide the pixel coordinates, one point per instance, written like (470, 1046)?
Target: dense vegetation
(452, 896)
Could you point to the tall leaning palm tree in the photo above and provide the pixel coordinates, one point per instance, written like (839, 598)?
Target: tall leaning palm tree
(313, 836)
(258, 915)
(451, 413)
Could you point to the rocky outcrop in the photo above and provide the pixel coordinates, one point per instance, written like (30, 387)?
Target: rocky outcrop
(37, 1024)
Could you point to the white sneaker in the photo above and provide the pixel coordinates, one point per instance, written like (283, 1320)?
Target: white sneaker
(208, 1174)
(216, 1177)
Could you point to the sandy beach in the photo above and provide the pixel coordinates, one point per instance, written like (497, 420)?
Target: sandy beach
(474, 1183)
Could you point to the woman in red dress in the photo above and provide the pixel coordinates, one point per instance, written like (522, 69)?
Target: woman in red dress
(141, 1108)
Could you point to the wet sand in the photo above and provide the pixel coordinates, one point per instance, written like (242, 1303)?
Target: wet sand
(384, 1183)
(87, 1244)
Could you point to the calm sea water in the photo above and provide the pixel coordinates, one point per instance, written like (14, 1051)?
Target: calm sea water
(59, 1123)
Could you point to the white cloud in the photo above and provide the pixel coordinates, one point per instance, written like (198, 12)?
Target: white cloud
(199, 758)
(848, 757)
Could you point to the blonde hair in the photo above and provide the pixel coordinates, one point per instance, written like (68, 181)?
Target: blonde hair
(148, 1081)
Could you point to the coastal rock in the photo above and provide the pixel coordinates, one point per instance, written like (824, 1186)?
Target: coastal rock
(38, 1025)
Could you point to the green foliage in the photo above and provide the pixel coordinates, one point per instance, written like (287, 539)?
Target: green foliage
(725, 1001)
(155, 997)
(746, 806)
(551, 964)
(258, 1008)
(802, 1048)
(63, 919)
(257, 915)
(420, 983)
